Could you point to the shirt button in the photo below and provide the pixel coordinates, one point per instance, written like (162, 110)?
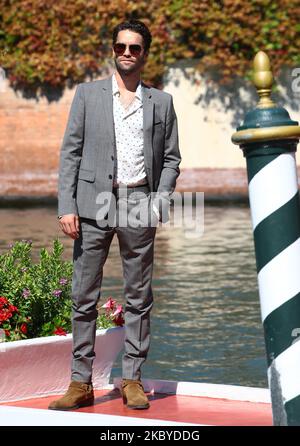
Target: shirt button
(110, 177)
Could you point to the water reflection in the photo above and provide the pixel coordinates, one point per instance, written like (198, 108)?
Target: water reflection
(206, 322)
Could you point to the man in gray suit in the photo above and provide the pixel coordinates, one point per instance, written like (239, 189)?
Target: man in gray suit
(121, 142)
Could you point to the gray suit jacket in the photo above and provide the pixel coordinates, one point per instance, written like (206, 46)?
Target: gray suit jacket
(88, 148)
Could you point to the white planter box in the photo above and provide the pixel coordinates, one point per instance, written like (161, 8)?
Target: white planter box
(42, 366)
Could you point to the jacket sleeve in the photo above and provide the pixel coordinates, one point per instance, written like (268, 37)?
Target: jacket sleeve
(70, 156)
(172, 159)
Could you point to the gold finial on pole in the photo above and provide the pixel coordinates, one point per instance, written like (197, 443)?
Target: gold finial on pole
(263, 80)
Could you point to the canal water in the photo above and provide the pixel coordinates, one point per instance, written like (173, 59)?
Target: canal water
(205, 324)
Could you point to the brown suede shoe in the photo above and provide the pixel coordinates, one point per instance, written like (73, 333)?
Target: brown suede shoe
(133, 394)
(78, 395)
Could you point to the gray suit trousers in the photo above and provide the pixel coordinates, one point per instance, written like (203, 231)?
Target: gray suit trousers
(89, 255)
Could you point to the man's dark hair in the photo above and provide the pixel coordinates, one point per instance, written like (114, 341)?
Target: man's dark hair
(135, 26)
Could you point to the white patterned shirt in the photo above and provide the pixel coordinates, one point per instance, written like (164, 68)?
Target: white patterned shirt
(129, 166)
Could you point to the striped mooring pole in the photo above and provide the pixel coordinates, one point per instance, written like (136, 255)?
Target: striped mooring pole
(269, 141)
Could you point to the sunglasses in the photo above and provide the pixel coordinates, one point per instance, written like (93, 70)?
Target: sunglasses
(120, 48)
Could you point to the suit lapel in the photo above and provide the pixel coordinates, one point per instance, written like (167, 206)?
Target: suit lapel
(148, 113)
(108, 108)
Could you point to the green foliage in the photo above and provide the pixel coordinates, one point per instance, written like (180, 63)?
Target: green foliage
(60, 43)
(104, 322)
(35, 298)
(41, 291)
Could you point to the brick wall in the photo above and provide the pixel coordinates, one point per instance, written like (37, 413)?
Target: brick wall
(31, 132)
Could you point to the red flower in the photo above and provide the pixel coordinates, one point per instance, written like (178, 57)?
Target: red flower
(7, 333)
(6, 309)
(119, 310)
(13, 309)
(23, 328)
(60, 331)
(5, 314)
(118, 320)
(110, 304)
(3, 301)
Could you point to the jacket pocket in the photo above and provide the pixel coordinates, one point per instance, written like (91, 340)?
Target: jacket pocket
(87, 175)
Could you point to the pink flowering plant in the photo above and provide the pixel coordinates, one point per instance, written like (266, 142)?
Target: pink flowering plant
(35, 298)
(111, 314)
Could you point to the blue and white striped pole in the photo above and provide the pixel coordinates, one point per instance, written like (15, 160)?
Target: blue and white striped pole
(269, 141)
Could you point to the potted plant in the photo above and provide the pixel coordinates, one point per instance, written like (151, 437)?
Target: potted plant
(35, 325)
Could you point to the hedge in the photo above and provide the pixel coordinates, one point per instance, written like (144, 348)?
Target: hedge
(60, 43)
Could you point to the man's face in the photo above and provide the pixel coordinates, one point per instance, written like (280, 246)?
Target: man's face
(130, 62)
